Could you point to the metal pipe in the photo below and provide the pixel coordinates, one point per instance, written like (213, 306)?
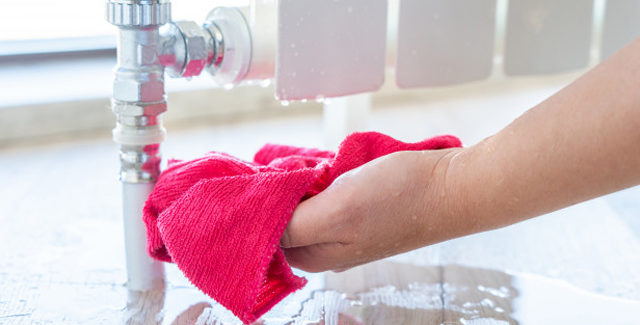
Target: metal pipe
(138, 100)
(148, 44)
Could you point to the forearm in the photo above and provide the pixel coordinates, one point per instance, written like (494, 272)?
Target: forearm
(581, 143)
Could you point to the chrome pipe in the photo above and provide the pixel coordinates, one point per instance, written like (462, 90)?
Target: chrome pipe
(149, 44)
(138, 101)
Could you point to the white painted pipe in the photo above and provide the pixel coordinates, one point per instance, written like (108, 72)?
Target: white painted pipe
(262, 19)
(143, 272)
(344, 115)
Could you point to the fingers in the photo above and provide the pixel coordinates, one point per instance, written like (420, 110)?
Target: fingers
(302, 258)
(305, 227)
(316, 258)
(311, 222)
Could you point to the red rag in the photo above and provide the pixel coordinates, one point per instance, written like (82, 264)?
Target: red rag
(220, 219)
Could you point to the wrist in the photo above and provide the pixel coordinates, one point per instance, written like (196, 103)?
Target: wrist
(475, 188)
(443, 208)
(459, 204)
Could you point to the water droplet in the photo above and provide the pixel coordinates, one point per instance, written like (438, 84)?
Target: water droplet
(304, 100)
(284, 102)
(228, 86)
(265, 83)
(292, 45)
(349, 9)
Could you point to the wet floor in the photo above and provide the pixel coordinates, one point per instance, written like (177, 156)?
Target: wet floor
(395, 293)
(62, 261)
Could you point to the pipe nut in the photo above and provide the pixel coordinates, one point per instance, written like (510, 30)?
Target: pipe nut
(172, 52)
(187, 49)
(145, 87)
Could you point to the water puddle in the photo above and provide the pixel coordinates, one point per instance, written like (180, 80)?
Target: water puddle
(393, 293)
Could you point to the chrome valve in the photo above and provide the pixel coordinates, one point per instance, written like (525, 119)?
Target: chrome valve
(148, 44)
(222, 46)
(186, 48)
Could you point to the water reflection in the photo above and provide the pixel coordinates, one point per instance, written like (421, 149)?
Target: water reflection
(192, 314)
(393, 293)
(145, 307)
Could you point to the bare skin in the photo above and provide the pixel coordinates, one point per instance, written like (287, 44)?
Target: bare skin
(581, 143)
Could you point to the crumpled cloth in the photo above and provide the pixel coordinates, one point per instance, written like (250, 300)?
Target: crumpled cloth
(220, 219)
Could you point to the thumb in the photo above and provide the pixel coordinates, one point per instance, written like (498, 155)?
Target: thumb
(309, 223)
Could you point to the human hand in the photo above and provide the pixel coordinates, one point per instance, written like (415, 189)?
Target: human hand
(390, 205)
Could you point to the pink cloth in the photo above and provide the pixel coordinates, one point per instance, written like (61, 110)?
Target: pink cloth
(220, 219)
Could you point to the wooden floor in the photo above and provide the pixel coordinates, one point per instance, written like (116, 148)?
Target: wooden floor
(61, 242)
